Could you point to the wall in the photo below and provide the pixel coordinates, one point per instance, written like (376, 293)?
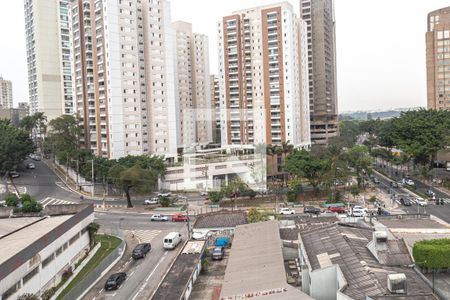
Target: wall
(326, 277)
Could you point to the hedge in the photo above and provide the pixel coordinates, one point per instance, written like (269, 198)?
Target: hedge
(434, 254)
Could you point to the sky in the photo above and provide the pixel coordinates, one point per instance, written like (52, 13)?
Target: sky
(380, 46)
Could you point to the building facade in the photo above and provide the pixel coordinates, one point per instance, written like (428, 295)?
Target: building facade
(48, 57)
(215, 104)
(438, 59)
(321, 43)
(6, 93)
(262, 97)
(193, 87)
(124, 76)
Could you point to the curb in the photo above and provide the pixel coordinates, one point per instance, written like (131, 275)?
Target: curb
(105, 271)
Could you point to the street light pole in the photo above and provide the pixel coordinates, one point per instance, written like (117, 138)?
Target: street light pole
(92, 179)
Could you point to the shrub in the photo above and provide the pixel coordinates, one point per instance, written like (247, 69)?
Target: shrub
(215, 196)
(164, 201)
(249, 193)
(12, 200)
(48, 293)
(434, 254)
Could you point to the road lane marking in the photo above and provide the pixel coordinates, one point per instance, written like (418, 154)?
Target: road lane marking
(150, 275)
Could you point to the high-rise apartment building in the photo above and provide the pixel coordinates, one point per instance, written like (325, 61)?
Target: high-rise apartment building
(321, 41)
(263, 84)
(48, 57)
(123, 54)
(6, 93)
(438, 59)
(215, 106)
(193, 87)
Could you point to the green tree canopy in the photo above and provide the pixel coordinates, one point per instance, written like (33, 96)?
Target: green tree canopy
(303, 164)
(15, 145)
(434, 254)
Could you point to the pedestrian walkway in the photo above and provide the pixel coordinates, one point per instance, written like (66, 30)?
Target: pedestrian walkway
(144, 236)
(54, 201)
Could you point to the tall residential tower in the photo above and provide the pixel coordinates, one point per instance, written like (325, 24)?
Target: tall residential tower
(321, 40)
(262, 79)
(438, 59)
(48, 57)
(6, 93)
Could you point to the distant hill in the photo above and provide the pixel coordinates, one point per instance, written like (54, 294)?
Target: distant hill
(367, 115)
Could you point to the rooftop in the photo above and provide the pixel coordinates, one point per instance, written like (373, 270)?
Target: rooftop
(22, 238)
(255, 267)
(9, 225)
(176, 280)
(366, 275)
(412, 223)
(222, 219)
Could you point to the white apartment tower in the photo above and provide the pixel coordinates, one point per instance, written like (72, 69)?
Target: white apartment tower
(6, 93)
(263, 80)
(123, 76)
(215, 104)
(48, 57)
(193, 87)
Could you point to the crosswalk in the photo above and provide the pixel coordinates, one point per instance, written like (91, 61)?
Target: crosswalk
(144, 235)
(54, 201)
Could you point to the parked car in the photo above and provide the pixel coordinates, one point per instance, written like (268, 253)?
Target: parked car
(115, 281)
(337, 209)
(393, 184)
(405, 201)
(312, 210)
(218, 253)
(430, 193)
(421, 202)
(35, 157)
(358, 212)
(439, 201)
(14, 174)
(159, 218)
(179, 218)
(172, 240)
(409, 182)
(164, 194)
(203, 193)
(152, 201)
(287, 211)
(141, 250)
(31, 166)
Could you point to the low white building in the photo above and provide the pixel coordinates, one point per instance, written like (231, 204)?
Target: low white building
(36, 251)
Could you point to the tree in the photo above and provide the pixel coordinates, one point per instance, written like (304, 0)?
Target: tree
(358, 157)
(286, 148)
(215, 196)
(15, 145)
(28, 296)
(433, 254)
(92, 231)
(302, 164)
(164, 201)
(255, 216)
(136, 174)
(12, 200)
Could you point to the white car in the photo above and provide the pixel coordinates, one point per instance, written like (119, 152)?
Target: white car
(358, 207)
(358, 213)
(409, 182)
(164, 194)
(31, 166)
(203, 193)
(159, 218)
(152, 201)
(287, 211)
(421, 202)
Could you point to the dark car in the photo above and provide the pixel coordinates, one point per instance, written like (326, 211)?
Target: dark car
(141, 250)
(312, 210)
(218, 253)
(440, 201)
(376, 180)
(405, 201)
(115, 281)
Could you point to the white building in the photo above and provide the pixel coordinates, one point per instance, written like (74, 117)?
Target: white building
(263, 80)
(36, 251)
(124, 76)
(193, 87)
(6, 93)
(48, 57)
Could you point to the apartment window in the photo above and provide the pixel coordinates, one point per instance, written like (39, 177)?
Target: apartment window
(48, 260)
(30, 275)
(11, 290)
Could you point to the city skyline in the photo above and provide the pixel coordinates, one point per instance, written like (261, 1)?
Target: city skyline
(390, 56)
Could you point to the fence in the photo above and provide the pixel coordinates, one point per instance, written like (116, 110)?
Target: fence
(85, 284)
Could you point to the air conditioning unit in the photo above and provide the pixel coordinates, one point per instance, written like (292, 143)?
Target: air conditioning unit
(381, 236)
(397, 283)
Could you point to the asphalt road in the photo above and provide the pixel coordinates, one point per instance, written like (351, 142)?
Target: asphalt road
(440, 211)
(143, 275)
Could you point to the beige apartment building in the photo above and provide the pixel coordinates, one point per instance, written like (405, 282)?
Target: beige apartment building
(193, 87)
(321, 40)
(438, 59)
(123, 53)
(6, 93)
(263, 77)
(215, 104)
(48, 57)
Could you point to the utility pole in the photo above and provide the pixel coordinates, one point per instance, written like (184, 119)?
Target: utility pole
(78, 170)
(93, 183)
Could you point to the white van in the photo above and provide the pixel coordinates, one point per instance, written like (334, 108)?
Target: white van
(172, 240)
